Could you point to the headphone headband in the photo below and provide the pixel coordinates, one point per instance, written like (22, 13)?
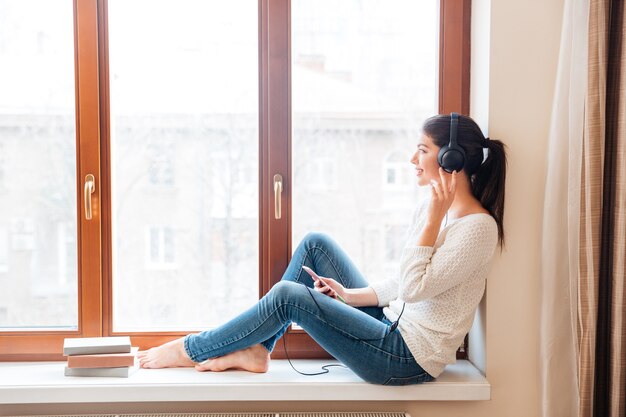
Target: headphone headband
(454, 125)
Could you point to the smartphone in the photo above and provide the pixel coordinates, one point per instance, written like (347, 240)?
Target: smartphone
(318, 278)
(313, 275)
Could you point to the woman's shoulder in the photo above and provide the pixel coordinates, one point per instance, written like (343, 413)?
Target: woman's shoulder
(476, 226)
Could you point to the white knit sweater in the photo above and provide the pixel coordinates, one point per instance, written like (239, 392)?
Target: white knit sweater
(441, 285)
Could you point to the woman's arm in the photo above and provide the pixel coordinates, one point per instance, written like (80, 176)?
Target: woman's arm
(429, 233)
(442, 195)
(357, 297)
(361, 297)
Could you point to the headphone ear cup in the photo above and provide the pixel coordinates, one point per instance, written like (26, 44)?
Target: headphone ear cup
(451, 158)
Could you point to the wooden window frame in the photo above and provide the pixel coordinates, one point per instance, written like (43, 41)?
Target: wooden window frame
(93, 156)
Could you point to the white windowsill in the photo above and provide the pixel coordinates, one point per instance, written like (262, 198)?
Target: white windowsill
(44, 383)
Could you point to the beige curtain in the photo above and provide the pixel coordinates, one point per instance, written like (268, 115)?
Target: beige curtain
(591, 205)
(583, 319)
(559, 347)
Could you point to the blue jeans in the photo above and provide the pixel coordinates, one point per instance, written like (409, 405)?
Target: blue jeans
(360, 338)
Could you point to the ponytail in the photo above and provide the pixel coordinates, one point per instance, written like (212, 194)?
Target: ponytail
(488, 183)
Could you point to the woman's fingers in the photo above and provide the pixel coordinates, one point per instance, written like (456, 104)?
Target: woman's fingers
(448, 183)
(321, 286)
(436, 188)
(453, 183)
(444, 181)
(324, 288)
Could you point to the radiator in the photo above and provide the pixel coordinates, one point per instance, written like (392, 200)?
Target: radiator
(307, 414)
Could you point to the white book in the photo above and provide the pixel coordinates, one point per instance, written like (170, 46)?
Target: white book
(123, 372)
(95, 345)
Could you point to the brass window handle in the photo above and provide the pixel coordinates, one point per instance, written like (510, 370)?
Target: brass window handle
(278, 191)
(90, 187)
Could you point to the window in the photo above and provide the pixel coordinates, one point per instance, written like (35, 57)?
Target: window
(38, 155)
(397, 172)
(161, 169)
(160, 248)
(196, 142)
(318, 173)
(183, 131)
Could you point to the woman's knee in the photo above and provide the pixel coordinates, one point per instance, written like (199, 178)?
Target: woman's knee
(286, 290)
(317, 239)
(285, 295)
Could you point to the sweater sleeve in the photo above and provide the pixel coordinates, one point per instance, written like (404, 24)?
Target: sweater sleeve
(426, 272)
(386, 291)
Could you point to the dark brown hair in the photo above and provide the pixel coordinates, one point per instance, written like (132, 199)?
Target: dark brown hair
(487, 177)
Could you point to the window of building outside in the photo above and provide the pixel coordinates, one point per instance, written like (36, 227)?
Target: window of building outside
(161, 169)
(179, 198)
(320, 172)
(160, 246)
(397, 173)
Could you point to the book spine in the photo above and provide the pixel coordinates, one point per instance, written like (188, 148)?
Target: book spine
(99, 362)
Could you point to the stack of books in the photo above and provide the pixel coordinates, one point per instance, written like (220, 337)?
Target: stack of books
(100, 356)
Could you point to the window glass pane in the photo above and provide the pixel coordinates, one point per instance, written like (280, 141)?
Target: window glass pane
(38, 282)
(364, 79)
(184, 161)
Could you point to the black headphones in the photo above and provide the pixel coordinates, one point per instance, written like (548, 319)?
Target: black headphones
(452, 157)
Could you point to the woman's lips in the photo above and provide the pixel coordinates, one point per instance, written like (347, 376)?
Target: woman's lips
(419, 171)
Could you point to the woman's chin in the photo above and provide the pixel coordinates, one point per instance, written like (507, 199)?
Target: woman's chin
(422, 182)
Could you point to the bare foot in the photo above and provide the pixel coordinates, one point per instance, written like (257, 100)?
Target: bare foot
(169, 355)
(253, 359)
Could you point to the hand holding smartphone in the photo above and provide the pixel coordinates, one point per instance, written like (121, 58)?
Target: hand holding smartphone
(322, 283)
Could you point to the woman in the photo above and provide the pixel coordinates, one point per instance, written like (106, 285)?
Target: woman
(395, 332)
